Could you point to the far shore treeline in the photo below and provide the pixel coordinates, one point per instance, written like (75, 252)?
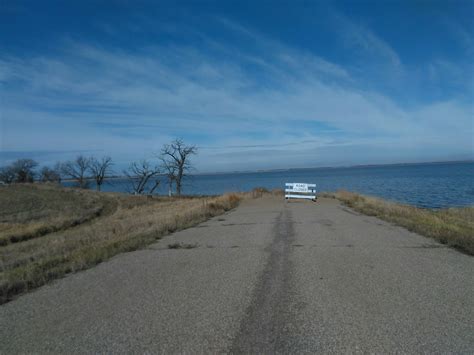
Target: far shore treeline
(173, 162)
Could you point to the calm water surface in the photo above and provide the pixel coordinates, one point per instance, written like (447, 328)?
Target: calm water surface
(424, 185)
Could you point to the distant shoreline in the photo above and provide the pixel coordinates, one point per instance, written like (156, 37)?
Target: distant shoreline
(302, 169)
(337, 167)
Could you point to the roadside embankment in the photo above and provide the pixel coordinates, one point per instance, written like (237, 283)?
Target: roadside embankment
(49, 231)
(452, 226)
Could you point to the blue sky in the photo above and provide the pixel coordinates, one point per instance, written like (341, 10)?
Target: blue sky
(255, 85)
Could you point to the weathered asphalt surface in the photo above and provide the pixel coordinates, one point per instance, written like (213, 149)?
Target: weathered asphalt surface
(268, 277)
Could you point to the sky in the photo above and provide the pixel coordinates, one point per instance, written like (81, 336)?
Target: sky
(253, 84)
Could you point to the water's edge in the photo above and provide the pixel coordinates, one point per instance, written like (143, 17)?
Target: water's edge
(436, 185)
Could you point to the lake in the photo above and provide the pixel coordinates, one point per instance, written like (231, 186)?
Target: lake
(433, 185)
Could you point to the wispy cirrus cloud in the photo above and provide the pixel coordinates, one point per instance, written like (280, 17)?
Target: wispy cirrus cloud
(360, 38)
(265, 105)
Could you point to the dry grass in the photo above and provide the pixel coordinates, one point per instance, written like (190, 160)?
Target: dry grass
(126, 223)
(452, 226)
(29, 211)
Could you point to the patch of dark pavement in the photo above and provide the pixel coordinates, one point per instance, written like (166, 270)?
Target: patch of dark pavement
(182, 245)
(425, 246)
(345, 209)
(238, 224)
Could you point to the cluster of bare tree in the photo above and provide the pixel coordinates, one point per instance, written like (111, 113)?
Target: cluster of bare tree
(82, 169)
(22, 170)
(173, 163)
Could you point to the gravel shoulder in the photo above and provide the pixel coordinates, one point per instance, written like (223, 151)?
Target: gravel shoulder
(269, 276)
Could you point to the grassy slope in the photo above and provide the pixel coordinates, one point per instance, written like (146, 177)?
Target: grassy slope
(452, 226)
(47, 232)
(30, 211)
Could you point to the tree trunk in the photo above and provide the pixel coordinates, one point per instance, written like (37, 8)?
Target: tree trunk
(179, 178)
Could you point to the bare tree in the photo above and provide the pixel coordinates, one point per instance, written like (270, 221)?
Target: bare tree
(77, 169)
(140, 174)
(24, 170)
(57, 168)
(170, 173)
(100, 170)
(7, 174)
(48, 174)
(175, 161)
(21, 170)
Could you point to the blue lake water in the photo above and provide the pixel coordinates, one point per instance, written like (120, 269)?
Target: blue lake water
(425, 185)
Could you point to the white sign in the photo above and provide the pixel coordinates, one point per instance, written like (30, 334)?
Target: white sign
(297, 187)
(300, 190)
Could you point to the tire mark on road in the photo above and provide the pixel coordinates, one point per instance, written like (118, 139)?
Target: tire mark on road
(268, 323)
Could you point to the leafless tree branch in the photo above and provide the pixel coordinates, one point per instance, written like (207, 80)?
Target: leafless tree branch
(175, 161)
(77, 169)
(100, 170)
(140, 174)
(48, 174)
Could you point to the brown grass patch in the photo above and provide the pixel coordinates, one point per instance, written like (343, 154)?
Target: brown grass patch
(126, 223)
(29, 211)
(451, 226)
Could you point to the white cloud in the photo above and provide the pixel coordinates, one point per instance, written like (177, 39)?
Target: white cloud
(268, 106)
(461, 36)
(362, 39)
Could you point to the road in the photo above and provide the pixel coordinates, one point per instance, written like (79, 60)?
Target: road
(267, 277)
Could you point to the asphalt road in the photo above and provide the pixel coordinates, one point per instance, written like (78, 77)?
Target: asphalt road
(268, 277)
